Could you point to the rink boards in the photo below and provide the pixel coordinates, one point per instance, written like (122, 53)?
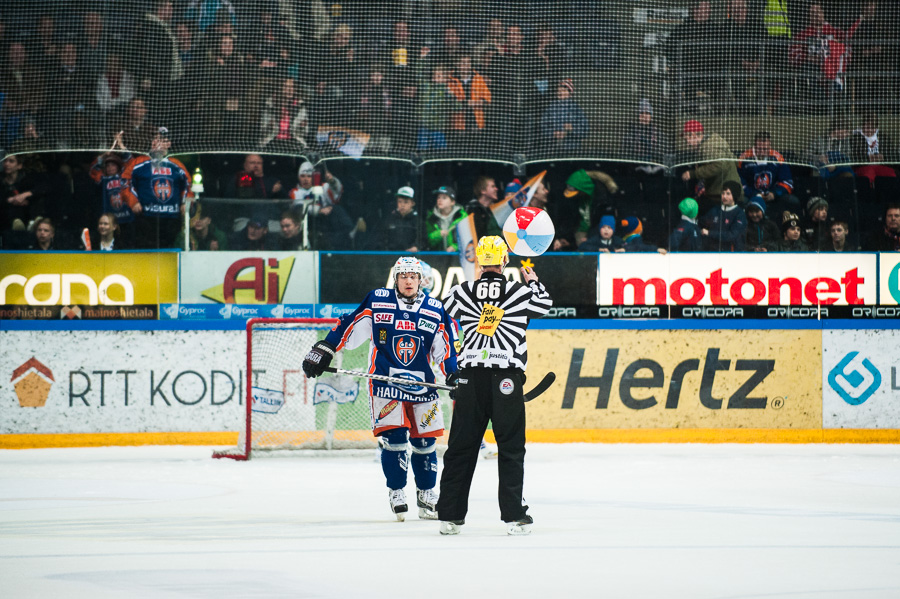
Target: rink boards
(70, 384)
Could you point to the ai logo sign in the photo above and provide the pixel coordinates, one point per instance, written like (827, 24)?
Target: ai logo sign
(854, 379)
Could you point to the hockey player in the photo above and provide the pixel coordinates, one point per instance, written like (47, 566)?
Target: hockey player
(406, 330)
(493, 314)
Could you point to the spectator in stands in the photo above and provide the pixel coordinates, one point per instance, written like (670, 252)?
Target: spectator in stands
(686, 235)
(839, 241)
(743, 38)
(888, 238)
(645, 142)
(92, 49)
(107, 237)
(375, 111)
(326, 223)
(269, 42)
(762, 234)
(284, 125)
(23, 83)
(137, 131)
(45, 48)
(205, 235)
(156, 189)
(832, 149)
(22, 196)
(510, 73)
(70, 94)
(816, 226)
(765, 174)
(486, 190)
(290, 237)
(401, 79)
(545, 63)
(435, 104)
(221, 95)
(791, 235)
(604, 238)
(871, 53)
(725, 226)
(689, 53)
(185, 35)
(715, 167)
(338, 79)
(157, 78)
(115, 89)
(824, 48)
(472, 95)
(563, 124)
(204, 13)
(400, 230)
(448, 50)
(254, 237)
(873, 147)
(582, 189)
(440, 224)
(252, 183)
(107, 171)
(44, 235)
(632, 231)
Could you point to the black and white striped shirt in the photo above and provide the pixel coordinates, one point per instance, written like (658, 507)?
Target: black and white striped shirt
(493, 314)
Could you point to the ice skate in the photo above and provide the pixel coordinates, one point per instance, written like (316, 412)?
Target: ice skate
(522, 526)
(488, 452)
(426, 500)
(397, 497)
(451, 527)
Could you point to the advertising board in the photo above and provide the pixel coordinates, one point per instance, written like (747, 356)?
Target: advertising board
(248, 278)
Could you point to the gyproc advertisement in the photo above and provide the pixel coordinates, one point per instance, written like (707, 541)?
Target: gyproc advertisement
(676, 379)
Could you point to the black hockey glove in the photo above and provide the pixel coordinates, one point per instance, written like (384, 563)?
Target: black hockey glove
(318, 359)
(452, 380)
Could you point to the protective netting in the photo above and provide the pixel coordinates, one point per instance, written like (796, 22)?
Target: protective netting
(515, 81)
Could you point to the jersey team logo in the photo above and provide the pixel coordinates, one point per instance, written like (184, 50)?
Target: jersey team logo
(162, 189)
(763, 180)
(405, 348)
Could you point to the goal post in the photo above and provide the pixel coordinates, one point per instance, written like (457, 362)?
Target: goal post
(284, 410)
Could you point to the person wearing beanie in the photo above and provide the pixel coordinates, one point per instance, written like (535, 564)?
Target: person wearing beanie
(563, 124)
(440, 224)
(645, 142)
(816, 226)
(582, 188)
(790, 231)
(762, 234)
(686, 235)
(604, 238)
(725, 226)
(632, 229)
(765, 174)
(715, 165)
(400, 229)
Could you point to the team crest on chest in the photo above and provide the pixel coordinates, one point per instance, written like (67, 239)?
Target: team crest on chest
(162, 189)
(405, 348)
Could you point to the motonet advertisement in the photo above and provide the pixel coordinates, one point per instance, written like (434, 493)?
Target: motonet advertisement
(737, 279)
(88, 279)
(676, 379)
(249, 278)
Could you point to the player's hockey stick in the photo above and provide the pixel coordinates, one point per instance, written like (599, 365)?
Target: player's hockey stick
(542, 386)
(390, 379)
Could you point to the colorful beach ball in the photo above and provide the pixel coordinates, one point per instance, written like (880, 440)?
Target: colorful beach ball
(528, 231)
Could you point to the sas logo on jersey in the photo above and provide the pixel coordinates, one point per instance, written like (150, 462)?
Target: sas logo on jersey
(427, 325)
(430, 314)
(406, 325)
(382, 293)
(429, 415)
(406, 347)
(390, 407)
(384, 318)
(162, 189)
(384, 306)
(507, 386)
(490, 319)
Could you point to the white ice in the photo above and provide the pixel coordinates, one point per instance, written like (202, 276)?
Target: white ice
(612, 521)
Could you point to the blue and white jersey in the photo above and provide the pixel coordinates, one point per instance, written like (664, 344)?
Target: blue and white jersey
(403, 341)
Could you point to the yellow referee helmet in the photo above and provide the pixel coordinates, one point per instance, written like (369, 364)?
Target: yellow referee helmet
(492, 251)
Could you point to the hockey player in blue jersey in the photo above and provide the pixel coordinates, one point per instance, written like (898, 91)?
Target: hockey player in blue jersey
(406, 330)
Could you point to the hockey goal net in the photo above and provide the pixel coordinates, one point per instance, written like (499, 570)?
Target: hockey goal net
(287, 411)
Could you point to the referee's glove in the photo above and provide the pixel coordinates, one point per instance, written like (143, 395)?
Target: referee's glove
(452, 380)
(318, 359)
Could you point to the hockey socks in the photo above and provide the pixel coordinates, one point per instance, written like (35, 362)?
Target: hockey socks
(424, 462)
(394, 459)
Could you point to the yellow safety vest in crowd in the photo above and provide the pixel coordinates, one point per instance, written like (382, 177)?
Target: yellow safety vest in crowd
(776, 18)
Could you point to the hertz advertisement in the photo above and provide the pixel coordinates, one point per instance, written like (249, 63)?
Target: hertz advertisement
(615, 379)
(97, 285)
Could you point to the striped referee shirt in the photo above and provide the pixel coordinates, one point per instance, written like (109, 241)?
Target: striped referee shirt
(493, 314)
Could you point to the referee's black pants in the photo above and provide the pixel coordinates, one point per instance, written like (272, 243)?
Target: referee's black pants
(485, 394)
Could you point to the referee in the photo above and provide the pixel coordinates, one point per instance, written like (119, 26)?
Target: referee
(493, 314)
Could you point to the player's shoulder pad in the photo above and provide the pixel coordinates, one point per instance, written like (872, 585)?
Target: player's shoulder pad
(382, 298)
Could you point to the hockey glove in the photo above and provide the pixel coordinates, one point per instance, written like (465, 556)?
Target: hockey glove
(452, 380)
(318, 359)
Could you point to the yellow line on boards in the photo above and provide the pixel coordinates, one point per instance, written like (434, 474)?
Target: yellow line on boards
(103, 439)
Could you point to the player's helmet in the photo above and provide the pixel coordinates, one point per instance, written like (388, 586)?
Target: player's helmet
(407, 264)
(492, 251)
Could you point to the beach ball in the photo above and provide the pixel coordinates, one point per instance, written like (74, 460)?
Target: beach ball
(528, 231)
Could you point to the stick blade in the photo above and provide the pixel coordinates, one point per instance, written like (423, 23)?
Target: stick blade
(542, 386)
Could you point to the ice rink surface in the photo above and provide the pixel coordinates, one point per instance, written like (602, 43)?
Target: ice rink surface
(612, 521)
